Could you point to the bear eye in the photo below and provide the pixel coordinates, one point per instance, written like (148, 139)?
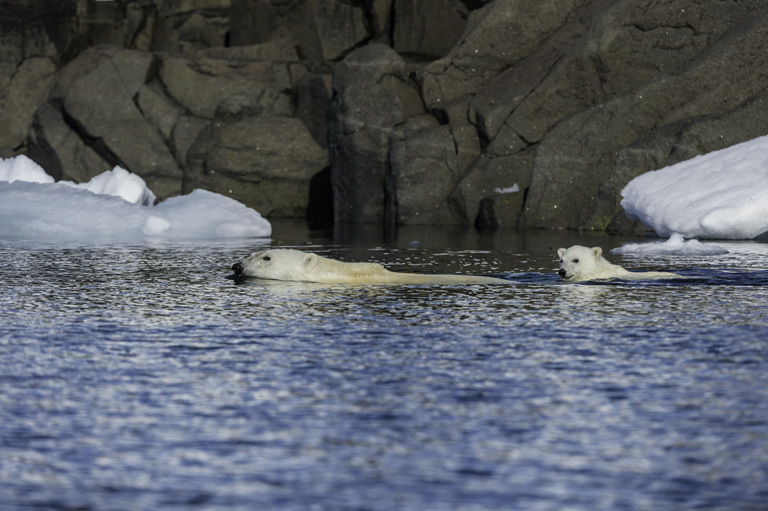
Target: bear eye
(576, 261)
(266, 258)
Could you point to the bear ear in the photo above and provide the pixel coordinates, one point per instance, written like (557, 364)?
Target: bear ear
(560, 252)
(310, 260)
(597, 251)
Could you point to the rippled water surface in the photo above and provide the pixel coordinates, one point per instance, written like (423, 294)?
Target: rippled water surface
(139, 377)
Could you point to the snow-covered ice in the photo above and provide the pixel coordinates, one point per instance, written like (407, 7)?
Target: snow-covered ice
(21, 168)
(120, 183)
(675, 245)
(115, 205)
(719, 195)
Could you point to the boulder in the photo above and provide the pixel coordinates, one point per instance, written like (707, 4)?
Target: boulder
(495, 188)
(429, 176)
(321, 29)
(94, 95)
(421, 174)
(372, 93)
(500, 34)
(191, 25)
(153, 25)
(264, 160)
(25, 87)
(199, 84)
(146, 111)
(36, 38)
(581, 151)
(60, 150)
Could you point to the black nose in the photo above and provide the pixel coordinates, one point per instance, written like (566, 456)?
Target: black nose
(237, 268)
(561, 272)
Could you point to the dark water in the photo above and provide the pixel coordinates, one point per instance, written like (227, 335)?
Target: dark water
(139, 377)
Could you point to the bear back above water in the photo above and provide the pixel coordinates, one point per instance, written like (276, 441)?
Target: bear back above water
(579, 264)
(295, 265)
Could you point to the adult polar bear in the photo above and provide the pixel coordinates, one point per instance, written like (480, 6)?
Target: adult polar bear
(578, 264)
(295, 265)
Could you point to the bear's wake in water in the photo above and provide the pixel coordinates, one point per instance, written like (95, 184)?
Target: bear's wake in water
(295, 265)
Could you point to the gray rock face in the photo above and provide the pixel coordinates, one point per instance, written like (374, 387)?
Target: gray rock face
(321, 29)
(157, 25)
(264, 160)
(588, 149)
(35, 38)
(497, 36)
(499, 114)
(162, 92)
(184, 122)
(422, 172)
(94, 100)
(569, 101)
(372, 93)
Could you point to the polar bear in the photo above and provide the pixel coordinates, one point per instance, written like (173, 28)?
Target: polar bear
(578, 264)
(289, 264)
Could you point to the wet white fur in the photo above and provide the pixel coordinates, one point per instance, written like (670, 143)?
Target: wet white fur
(295, 265)
(582, 263)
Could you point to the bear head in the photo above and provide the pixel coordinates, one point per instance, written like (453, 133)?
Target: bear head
(277, 264)
(579, 263)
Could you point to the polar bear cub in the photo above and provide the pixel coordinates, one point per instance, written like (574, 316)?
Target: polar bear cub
(295, 265)
(578, 264)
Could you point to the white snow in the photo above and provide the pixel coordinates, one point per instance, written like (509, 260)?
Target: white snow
(120, 183)
(22, 168)
(675, 245)
(512, 189)
(719, 195)
(115, 205)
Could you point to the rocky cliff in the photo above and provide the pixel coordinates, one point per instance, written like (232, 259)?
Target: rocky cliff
(501, 114)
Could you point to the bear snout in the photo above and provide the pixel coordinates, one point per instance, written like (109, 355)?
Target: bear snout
(237, 268)
(562, 273)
